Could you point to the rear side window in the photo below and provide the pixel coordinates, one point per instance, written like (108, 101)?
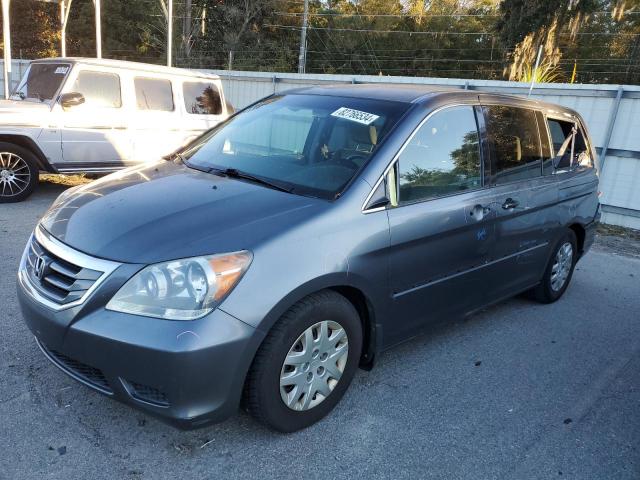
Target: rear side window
(442, 158)
(100, 89)
(153, 94)
(202, 98)
(569, 145)
(515, 143)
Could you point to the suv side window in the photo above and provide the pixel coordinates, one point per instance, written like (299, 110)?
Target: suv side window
(153, 94)
(569, 145)
(515, 143)
(100, 89)
(442, 158)
(201, 98)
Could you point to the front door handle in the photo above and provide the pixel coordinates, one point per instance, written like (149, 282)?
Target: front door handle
(510, 204)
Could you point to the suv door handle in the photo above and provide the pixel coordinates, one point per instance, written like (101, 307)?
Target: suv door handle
(510, 204)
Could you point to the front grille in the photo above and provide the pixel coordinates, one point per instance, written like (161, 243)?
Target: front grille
(148, 394)
(55, 278)
(90, 375)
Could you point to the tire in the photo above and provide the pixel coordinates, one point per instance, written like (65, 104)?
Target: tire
(18, 173)
(264, 395)
(550, 288)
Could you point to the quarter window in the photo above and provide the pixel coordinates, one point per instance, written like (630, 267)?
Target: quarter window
(515, 143)
(202, 98)
(442, 158)
(569, 145)
(153, 94)
(100, 89)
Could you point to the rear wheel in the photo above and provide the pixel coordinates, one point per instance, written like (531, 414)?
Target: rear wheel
(306, 363)
(559, 270)
(18, 173)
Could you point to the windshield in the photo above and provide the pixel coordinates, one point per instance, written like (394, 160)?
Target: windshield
(41, 81)
(308, 144)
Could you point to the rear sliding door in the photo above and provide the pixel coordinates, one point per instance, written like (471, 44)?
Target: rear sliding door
(525, 196)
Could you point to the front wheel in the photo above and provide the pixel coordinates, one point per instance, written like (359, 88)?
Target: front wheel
(559, 270)
(18, 173)
(306, 363)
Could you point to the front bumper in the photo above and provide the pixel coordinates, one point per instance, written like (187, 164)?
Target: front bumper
(188, 373)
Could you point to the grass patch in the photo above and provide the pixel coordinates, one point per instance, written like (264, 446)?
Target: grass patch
(616, 231)
(66, 180)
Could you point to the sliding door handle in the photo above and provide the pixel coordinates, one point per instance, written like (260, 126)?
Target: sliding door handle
(510, 204)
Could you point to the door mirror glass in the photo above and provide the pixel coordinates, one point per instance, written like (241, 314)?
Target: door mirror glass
(71, 99)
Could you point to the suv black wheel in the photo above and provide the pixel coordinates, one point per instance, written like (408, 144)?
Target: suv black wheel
(18, 173)
(306, 363)
(559, 270)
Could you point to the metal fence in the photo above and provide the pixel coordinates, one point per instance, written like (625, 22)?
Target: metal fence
(612, 113)
(17, 69)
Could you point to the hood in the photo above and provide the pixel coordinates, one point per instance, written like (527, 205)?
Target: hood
(23, 112)
(167, 211)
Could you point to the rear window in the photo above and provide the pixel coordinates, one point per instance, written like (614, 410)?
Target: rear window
(99, 89)
(202, 98)
(153, 94)
(515, 143)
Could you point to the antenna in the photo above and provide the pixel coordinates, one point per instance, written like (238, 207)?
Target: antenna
(535, 70)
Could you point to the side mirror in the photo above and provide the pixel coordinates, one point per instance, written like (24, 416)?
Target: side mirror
(71, 99)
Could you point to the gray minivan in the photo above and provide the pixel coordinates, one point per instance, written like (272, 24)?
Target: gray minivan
(268, 259)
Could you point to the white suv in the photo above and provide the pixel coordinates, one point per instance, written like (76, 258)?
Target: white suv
(93, 116)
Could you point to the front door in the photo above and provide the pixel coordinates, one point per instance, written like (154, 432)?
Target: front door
(441, 228)
(95, 134)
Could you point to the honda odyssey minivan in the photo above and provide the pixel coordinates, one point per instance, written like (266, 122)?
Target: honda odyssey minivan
(266, 261)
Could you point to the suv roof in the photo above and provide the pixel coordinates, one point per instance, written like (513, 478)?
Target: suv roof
(147, 67)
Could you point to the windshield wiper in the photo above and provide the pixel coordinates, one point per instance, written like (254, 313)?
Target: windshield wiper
(235, 173)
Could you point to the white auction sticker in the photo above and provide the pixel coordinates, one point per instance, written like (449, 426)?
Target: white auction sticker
(61, 70)
(355, 115)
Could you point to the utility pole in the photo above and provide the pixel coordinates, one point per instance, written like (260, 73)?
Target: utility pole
(98, 30)
(169, 31)
(302, 58)
(6, 35)
(65, 8)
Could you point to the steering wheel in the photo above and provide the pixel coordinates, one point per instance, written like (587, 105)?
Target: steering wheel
(349, 161)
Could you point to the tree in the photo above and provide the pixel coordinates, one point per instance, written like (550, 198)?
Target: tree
(35, 29)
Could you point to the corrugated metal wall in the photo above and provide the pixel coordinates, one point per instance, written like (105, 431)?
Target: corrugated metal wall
(600, 105)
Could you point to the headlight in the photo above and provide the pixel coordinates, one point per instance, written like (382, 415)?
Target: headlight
(181, 289)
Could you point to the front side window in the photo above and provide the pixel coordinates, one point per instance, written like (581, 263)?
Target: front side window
(515, 143)
(310, 144)
(99, 89)
(41, 81)
(442, 158)
(202, 98)
(569, 145)
(153, 94)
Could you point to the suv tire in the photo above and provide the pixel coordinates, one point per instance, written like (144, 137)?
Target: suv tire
(18, 173)
(288, 393)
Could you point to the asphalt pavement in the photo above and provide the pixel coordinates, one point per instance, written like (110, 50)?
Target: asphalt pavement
(517, 391)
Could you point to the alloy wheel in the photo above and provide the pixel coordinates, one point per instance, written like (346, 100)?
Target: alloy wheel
(314, 365)
(14, 174)
(561, 266)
